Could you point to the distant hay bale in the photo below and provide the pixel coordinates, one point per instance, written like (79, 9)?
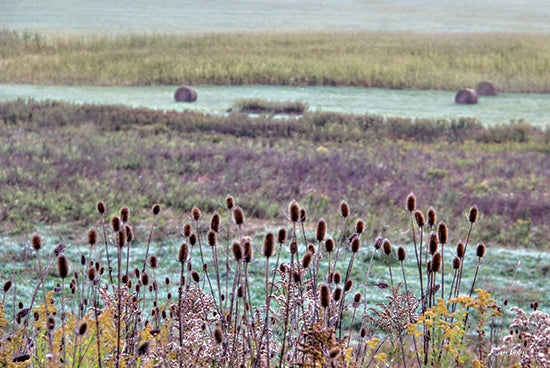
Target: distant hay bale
(486, 88)
(466, 96)
(185, 94)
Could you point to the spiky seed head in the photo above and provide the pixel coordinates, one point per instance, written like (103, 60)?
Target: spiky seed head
(433, 244)
(386, 246)
(7, 286)
(480, 251)
(348, 285)
(115, 223)
(92, 236)
(82, 260)
(401, 254)
(429, 266)
(460, 250)
(321, 230)
(431, 216)
(442, 233)
(36, 242)
(229, 202)
(101, 270)
(436, 262)
(344, 209)
(378, 243)
(156, 209)
(297, 277)
(337, 294)
(62, 266)
(306, 261)
(186, 231)
(324, 296)
(329, 277)
(240, 291)
(153, 261)
(218, 335)
(337, 277)
(121, 236)
(311, 248)
(50, 323)
(211, 238)
(357, 297)
(237, 251)
(282, 268)
(143, 348)
(196, 213)
(303, 215)
(167, 280)
(91, 273)
(215, 221)
(363, 332)
(137, 272)
(124, 214)
(269, 244)
(281, 235)
(82, 328)
(419, 218)
(334, 353)
(473, 214)
(193, 239)
(456, 263)
(294, 211)
(144, 278)
(329, 245)
(359, 226)
(195, 275)
(410, 202)
(248, 250)
(293, 246)
(100, 207)
(355, 244)
(238, 216)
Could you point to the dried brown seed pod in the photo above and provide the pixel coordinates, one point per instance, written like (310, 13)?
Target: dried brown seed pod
(281, 235)
(211, 238)
(308, 258)
(344, 209)
(363, 332)
(92, 236)
(311, 248)
(115, 223)
(129, 233)
(50, 323)
(36, 242)
(82, 260)
(401, 254)
(215, 221)
(196, 213)
(321, 230)
(195, 275)
(124, 214)
(7, 286)
(357, 297)
(456, 263)
(143, 348)
(297, 277)
(240, 291)
(237, 251)
(269, 244)
(337, 294)
(293, 247)
(193, 239)
(294, 211)
(355, 244)
(419, 218)
(153, 261)
(337, 277)
(410, 202)
(329, 245)
(480, 251)
(460, 250)
(248, 250)
(431, 216)
(218, 335)
(238, 216)
(100, 207)
(473, 214)
(156, 209)
(186, 231)
(82, 328)
(433, 245)
(378, 243)
(144, 278)
(303, 215)
(229, 202)
(386, 246)
(91, 273)
(442, 233)
(359, 226)
(348, 285)
(324, 296)
(436, 262)
(334, 353)
(121, 238)
(62, 266)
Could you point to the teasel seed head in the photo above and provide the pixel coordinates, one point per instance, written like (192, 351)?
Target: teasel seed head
(215, 221)
(329, 245)
(153, 261)
(91, 273)
(129, 233)
(62, 266)
(237, 251)
(386, 246)
(359, 226)
(240, 291)
(82, 260)
(348, 285)
(238, 216)
(124, 214)
(410, 202)
(100, 207)
(294, 211)
(248, 250)
(321, 230)
(460, 250)
(218, 335)
(337, 294)
(115, 223)
(431, 216)
(308, 258)
(355, 244)
(196, 213)
(211, 238)
(92, 236)
(297, 277)
(143, 348)
(50, 323)
(281, 235)
(456, 263)
(186, 231)
(195, 275)
(401, 254)
(293, 246)
(344, 209)
(419, 218)
(334, 353)
(82, 328)
(337, 277)
(363, 332)
(121, 235)
(36, 242)
(436, 262)
(144, 278)
(193, 239)
(324, 296)
(303, 215)
(378, 243)
(269, 244)
(480, 251)
(311, 248)
(357, 297)
(156, 209)
(137, 272)
(442, 233)
(229, 202)
(7, 286)
(473, 214)
(433, 243)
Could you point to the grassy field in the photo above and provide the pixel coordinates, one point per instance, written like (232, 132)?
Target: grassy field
(515, 62)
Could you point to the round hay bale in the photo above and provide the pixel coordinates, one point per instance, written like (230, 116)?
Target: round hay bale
(185, 94)
(486, 88)
(466, 96)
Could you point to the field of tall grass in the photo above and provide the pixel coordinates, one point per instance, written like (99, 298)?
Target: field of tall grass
(515, 62)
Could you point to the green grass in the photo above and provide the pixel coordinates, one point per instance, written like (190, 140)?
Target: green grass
(515, 62)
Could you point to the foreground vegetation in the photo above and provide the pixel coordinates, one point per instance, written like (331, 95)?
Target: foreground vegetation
(283, 299)
(515, 62)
